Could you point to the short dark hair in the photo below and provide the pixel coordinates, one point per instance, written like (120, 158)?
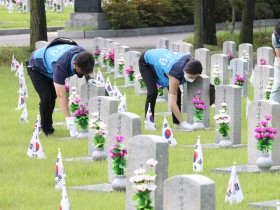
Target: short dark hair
(277, 28)
(85, 61)
(193, 67)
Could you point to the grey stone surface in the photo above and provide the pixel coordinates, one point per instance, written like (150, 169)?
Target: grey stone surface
(191, 88)
(162, 43)
(248, 48)
(126, 124)
(90, 90)
(214, 146)
(229, 46)
(74, 81)
(131, 59)
(102, 33)
(186, 48)
(245, 169)
(59, 123)
(79, 159)
(189, 192)
(203, 55)
(264, 204)
(71, 34)
(94, 187)
(119, 52)
(239, 66)
(128, 32)
(261, 79)
(231, 95)
(266, 53)
(257, 111)
(40, 44)
(104, 105)
(174, 46)
(142, 148)
(87, 6)
(222, 65)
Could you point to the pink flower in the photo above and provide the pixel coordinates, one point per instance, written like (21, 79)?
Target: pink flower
(119, 138)
(114, 146)
(268, 117)
(199, 92)
(129, 70)
(264, 123)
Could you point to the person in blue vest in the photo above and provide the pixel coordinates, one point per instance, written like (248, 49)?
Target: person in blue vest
(48, 68)
(168, 69)
(275, 94)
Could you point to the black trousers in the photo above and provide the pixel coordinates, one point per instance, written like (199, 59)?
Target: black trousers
(149, 76)
(45, 88)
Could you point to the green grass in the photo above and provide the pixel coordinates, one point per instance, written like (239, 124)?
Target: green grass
(29, 183)
(17, 20)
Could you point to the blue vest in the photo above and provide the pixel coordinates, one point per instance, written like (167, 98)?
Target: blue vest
(62, 54)
(277, 38)
(165, 62)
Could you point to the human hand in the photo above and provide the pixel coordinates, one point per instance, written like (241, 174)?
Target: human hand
(71, 126)
(186, 125)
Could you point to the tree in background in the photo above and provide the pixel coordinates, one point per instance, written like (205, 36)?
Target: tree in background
(198, 23)
(38, 23)
(209, 22)
(247, 22)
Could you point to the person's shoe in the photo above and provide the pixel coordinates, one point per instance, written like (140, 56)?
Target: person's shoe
(178, 126)
(49, 131)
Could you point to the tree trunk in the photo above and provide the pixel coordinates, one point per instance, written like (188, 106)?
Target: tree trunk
(209, 22)
(198, 23)
(247, 23)
(38, 23)
(233, 17)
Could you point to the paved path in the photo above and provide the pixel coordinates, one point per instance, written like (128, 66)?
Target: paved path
(135, 43)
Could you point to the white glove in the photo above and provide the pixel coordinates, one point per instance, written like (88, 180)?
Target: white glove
(71, 126)
(186, 125)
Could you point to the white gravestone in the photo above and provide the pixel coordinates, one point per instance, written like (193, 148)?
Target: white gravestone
(142, 148)
(97, 45)
(261, 79)
(221, 62)
(102, 45)
(189, 192)
(162, 43)
(119, 52)
(41, 44)
(203, 55)
(126, 124)
(229, 47)
(186, 48)
(131, 60)
(267, 54)
(90, 90)
(111, 46)
(174, 46)
(105, 106)
(257, 111)
(231, 95)
(77, 82)
(247, 49)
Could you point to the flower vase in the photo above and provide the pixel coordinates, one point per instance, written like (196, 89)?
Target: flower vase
(225, 142)
(264, 162)
(83, 133)
(120, 75)
(198, 125)
(119, 183)
(99, 154)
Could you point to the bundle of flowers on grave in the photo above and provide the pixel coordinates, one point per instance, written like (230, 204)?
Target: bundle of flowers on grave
(130, 73)
(144, 185)
(239, 80)
(265, 136)
(99, 130)
(141, 82)
(58, 7)
(82, 117)
(74, 101)
(110, 58)
(103, 54)
(263, 61)
(222, 120)
(160, 90)
(217, 75)
(229, 56)
(67, 88)
(199, 107)
(268, 89)
(118, 154)
(120, 66)
(96, 53)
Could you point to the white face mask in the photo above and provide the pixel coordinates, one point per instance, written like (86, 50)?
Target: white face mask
(188, 79)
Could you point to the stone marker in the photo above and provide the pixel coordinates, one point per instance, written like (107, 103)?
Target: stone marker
(266, 53)
(162, 43)
(221, 61)
(175, 46)
(77, 82)
(140, 149)
(203, 55)
(119, 52)
(126, 124)
(189, 192)
(256, 113)
(186, 48)
(41, 44)
(131, 60)
(98, 45)
(229, 47)
(90, 90)
(247, 48)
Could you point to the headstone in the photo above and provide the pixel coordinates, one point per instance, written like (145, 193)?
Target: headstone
(229, 47)
(131, 60)
(163, 43)
(150, 147)
(191, 88)
(203, 55)
(90, 90)
(221, 62)
(257, 111)
(104, 105)
(239, 67)
(98, 45)
(261, 79)
(119, 51)
(186, 48)
(267, 54)
(110, 46)
(231, 95)
(77, 82)
(41, 44)
(126, 124)
(247, 48)
(174, 46)
(186, 192)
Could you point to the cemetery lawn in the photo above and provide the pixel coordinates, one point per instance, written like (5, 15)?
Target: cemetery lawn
(28, 184)
(17, 20)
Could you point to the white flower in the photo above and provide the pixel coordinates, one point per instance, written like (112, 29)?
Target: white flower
(152, 162)
(95, 115)
(138, 77)
(150, 178)
(140, 171)
(102, 126)
(141, 188)
(223, 104)
(151, 187)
